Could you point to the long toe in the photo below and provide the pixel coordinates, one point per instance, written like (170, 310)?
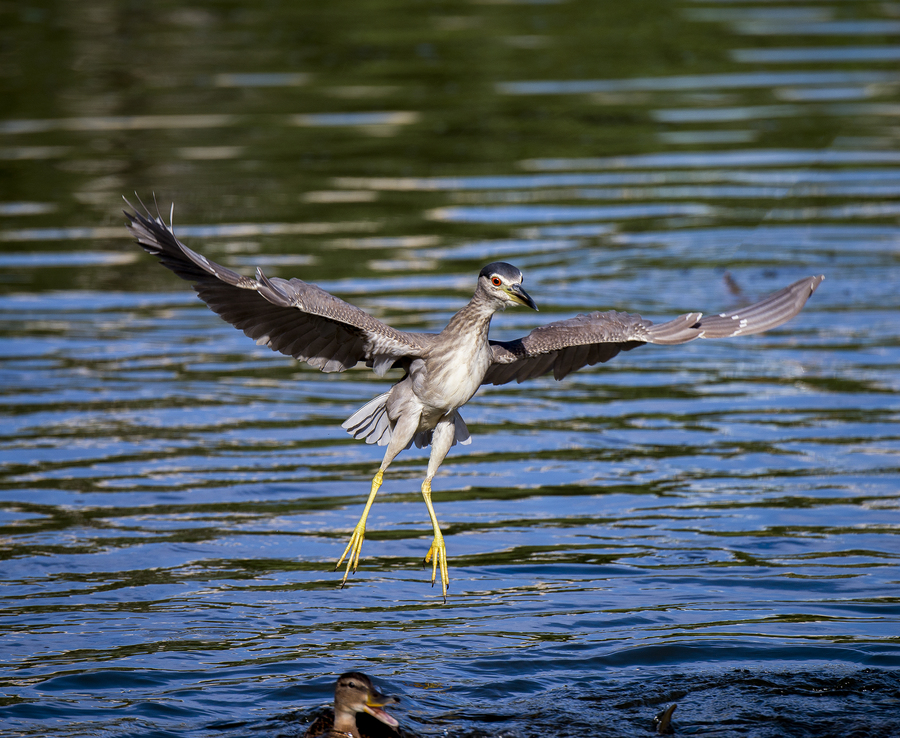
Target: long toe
(437, 555)
(351, 553)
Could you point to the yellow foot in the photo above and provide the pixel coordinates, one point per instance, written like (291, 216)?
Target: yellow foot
(353, 548)
(439, 553)
(359, 533)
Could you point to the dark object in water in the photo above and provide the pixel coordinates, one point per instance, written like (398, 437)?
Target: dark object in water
(731, 283)
(663, 722)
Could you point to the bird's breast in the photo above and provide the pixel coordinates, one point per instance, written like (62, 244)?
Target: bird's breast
(450, 378)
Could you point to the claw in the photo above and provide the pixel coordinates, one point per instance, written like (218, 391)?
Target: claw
(354, 547)
(437, 555)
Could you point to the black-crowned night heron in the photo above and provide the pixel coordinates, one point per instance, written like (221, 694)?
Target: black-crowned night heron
(354, 694)
(442, 371)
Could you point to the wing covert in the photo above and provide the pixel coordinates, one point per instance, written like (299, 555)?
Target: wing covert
(565, 346)
(290, 316)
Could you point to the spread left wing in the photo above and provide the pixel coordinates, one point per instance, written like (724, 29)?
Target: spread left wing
(568, 345)
(291, 316)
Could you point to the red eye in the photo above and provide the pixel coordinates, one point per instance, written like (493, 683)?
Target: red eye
(496, 281)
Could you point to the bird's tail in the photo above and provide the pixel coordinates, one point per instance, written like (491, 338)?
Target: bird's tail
(371, 422)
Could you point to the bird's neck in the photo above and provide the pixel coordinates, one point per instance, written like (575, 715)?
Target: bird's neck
(474, 318)
(345, 724)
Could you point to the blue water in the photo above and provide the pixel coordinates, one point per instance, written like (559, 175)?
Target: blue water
(713, 525)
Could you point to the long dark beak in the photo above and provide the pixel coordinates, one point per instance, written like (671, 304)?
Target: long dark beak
(521, 296)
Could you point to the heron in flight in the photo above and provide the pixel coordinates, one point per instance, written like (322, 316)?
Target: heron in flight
(442, 371)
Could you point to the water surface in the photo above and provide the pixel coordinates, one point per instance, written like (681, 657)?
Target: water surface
(714, 524)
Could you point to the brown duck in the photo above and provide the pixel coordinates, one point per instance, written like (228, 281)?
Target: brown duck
(356, 697)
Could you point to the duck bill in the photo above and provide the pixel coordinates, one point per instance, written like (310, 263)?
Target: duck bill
(373, 706)
(521, 296)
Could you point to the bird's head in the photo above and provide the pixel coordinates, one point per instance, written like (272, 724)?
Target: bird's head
(354, 692)
(503, 282)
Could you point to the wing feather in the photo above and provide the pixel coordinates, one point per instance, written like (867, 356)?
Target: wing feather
(290, 316)
(565, 346)
(777, 308)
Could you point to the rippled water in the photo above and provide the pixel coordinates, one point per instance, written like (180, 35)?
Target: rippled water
(714, 524)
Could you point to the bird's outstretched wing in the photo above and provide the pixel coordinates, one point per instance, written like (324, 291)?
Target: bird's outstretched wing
(568, 345)
(290, 316)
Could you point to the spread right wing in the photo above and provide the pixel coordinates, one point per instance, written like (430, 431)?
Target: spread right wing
(565, 346)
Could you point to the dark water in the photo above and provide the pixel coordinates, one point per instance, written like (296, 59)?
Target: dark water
(714, 525)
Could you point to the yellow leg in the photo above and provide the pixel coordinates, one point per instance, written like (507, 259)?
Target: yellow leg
(359, 533)
(438, 550)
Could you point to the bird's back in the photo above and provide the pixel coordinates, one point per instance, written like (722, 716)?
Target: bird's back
(323, 725)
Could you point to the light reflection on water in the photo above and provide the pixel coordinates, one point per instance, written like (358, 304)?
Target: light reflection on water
(704, 82)
(825, 54)
(713, 525)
